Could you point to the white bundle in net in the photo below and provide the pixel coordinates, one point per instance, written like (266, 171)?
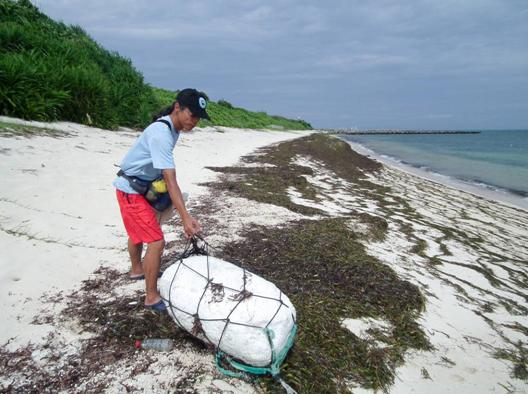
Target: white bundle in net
(238, 312)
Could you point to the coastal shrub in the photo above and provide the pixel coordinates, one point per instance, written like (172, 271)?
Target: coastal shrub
(224, 113)
(51, 71)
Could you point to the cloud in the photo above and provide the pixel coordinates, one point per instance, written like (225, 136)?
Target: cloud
(144, 33)
(408, 58)
(438, 116)
(348, 61)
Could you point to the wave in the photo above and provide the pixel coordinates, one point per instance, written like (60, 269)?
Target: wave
(468, 184)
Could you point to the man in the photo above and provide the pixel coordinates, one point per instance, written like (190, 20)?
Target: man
(151, 158)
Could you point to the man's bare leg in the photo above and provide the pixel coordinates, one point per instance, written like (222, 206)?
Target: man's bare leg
(151, 266)
(135, 250)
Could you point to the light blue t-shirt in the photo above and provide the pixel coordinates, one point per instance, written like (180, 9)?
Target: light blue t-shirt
(151, 153)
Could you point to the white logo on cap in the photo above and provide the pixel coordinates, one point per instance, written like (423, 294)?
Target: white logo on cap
(202, 102)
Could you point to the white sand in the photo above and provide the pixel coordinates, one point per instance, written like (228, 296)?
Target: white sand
(464, 333)
(59, 219)
(60, 222)
(459, 325)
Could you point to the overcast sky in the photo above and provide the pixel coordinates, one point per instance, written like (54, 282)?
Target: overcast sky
(435, 64)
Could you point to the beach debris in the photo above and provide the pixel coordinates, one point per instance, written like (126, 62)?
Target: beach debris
(241, 315)
(159, 344)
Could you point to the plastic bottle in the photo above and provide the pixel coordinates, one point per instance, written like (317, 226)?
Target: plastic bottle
(159, 344)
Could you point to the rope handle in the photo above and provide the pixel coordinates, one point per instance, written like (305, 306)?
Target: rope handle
(248, 370)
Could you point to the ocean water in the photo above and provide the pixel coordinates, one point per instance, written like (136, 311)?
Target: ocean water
(495, 159)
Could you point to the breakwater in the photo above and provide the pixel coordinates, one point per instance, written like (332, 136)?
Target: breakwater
(377, 132)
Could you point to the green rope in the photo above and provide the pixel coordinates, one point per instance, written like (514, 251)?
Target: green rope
(274, 367)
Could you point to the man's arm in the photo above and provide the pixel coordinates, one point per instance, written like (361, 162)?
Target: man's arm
(190, 224)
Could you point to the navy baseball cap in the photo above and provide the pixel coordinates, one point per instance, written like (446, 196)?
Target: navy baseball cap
(194, 100)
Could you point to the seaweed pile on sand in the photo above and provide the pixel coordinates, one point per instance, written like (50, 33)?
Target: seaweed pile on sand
(321, 263)
(105, 357)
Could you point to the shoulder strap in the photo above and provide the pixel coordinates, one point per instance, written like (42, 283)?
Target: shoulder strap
(166, 122)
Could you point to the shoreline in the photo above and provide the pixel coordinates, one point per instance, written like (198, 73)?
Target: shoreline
(485, 191)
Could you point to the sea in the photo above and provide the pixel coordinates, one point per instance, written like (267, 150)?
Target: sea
(491, 160)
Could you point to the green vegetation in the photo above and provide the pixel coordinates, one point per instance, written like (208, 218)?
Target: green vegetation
(114, 325)
(51, 71)
(324, 268)
(11, 129)
(225, 114)
(269, 184)
(328, 276)
(321, 265)
(519, 358)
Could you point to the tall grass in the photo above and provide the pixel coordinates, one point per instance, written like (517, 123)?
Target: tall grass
(224, 113)
(51, 71)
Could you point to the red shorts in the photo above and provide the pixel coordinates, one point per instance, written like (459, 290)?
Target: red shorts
(139, 218)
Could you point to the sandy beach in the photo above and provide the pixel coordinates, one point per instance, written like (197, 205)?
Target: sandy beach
(64, 246)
